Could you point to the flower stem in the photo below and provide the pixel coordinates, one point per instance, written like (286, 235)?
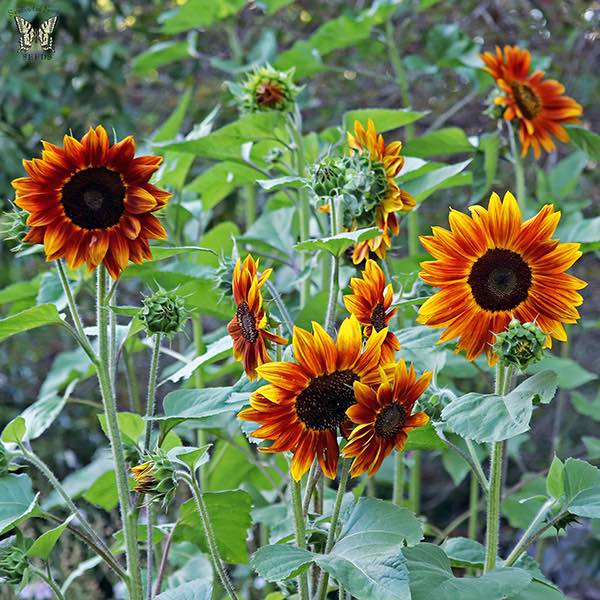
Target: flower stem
(313, 477)
(334, 285)
(518, 166)
(114, 435)
(53, 586)
(151, 399)
(149, 550)
(530, 533)
(503, 377)
(296, 490)
(473, 507)
(398, 492)
(283, 311)
(332, 534)
(210, 537)
(414, 483)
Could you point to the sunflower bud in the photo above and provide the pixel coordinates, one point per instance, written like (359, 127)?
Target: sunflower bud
(224, 273)
(13, 227)
(156, 478)
(520, 345)
(267, 89)
(328, 177)
(163, 312)
(4, 460)
(13, 560)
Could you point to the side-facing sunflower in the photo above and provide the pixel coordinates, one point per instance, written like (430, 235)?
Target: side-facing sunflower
(91, 202)
(394, 200)
(490, 267)
(247, 327)
(539, 105)
(370, 303)
(304, 405)
(383, 417)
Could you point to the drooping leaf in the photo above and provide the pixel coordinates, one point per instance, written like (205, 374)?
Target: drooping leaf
(30, 318)
(585, 140)
(569, 372)
(160, 54)
(439, 178)
(582, 488)
(338, 244)
(43, 545)
(16, 499)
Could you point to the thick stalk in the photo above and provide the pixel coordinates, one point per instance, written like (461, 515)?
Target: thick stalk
(398, 491)
(114, 435)
(473, 507)
(334, 284)
(530, 533)
(503, 376)
(299, 526)
(151, 397)
(518, 166)
(283, 311)
(163, 562)
(332, 534)
(133, 386)
(53, 586)
(201, 437)
(149, 551)
(210, 537)
(414, 483)
(311, 484)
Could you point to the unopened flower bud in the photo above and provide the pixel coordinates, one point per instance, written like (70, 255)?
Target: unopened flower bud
(156, 478)
(163, 312)
(267, 89)
(13, 561)
(13, 228)
(328, 177)
(520, 345)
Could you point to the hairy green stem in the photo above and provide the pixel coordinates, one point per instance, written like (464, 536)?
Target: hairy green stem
(48, 579)
(149, 550)
(398, 491)
(299, 527)
(414, 483)
(503, 377)
(332, 533)
(311, 484)
(283, 311)
(151, 397)
(334, 285)
(518, 166)
(473, 507)
(74, 312)
(530, 533)
(116, 444)
(210, 537)
(201, 437)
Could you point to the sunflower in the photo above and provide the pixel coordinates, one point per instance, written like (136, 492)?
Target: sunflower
(247, 327)
(370, 303)
(304, 405)
(383, 418)
(369, 142)
(91, 202)
(538, 104)
(490, 267)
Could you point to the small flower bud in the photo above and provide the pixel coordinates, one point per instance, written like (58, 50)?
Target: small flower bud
(163, 312)
(13, 228)
(328, 177)
(13, 561)
(267, 89)
(520, 345)
(156, 478)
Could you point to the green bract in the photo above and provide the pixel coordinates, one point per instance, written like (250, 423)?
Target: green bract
(521, 345)
(163, 312)
(155, 477)
(13, 560)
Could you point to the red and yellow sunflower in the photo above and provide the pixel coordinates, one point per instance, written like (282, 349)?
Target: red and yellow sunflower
(395, 199)
(539, 105)
(384, 417)
(490, 267)
(304, 405)
(370, 303)
(92, 202)
(247, 327)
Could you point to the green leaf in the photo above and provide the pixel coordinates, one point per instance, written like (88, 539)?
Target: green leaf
(419, 347)
(439, 178)
(15, 431)
(200, 14)
(131, 426)
(278, 562)
(585, 140)
(537, 590)
(492, 418)
(584, 231)
(163, 252)
(229, 513)
(170, 128)
(464, 553)
(43, 545)
(384, 119)
(103, 492)
(16, 499)
(582, 488)
(593, 446)
(278, 183)
(190, 456)
(20, 292)
(450, 140)
(160, 54)
(51, 290)
(431, 577)
(563, 178)
(424, 438)
(30, 318)
(555, 484)
(197, 589)
(338, 244)
(569, 372)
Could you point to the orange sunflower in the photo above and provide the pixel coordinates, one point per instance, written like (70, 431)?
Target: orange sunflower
(490, 267)
(304, 405)
(538, 104)
(370, 303)
(383, 418)
(91, 202)
(247, 328)
(367, 140)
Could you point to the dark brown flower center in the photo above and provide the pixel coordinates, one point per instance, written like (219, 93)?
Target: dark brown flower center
(269, 94)
(247, 322)
(378, 317)
(93, 198)
(500, 280)
(390, 420)
(323, 404)
(527, 99)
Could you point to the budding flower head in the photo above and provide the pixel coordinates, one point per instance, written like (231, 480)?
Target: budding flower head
(13, 560)
(14, 228)
(163, 312)
(156, 478)
(267, 89)
(328, 177)
(520, 345)
(224, 272)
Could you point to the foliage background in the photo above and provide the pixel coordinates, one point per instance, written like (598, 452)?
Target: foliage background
(115, 64)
